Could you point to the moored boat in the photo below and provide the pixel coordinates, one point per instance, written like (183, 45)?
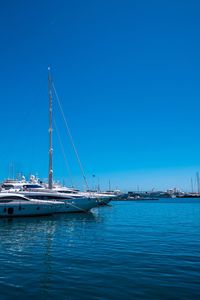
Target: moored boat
(16, 205)
(73, 203)
(101, 198)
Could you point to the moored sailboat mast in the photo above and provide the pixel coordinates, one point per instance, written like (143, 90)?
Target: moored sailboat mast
(50, 175)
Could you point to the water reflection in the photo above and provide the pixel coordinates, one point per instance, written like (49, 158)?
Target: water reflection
(24, 228)
(35, 243)
(17, 233)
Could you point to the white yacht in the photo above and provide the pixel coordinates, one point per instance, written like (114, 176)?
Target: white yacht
(73, 203)
(102, 198)
(13, 185)
(16, 205)
(34, 190)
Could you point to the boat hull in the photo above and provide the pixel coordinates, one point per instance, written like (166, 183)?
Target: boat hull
(76, 203)
(20, 209)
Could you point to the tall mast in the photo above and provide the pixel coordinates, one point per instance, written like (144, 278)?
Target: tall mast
(50, 177)
(192, 186)
(198, 183)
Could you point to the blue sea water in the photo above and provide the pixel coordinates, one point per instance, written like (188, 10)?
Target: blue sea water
(129, 250)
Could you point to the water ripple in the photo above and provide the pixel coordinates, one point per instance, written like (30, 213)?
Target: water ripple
(128, 250)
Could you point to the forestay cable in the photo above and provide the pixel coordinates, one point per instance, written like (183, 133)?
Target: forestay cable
(63, 152)
(70, 137)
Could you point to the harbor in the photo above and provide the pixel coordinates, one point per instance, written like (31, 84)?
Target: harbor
(133, 249)
(84, 242)
(99, 154)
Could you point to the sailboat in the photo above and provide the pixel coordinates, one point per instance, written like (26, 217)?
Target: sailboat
(75, 203)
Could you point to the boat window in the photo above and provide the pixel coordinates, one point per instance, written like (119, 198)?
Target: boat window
(66, 192)
(48, 197)
(32, 186)
(7, 186)
(10, 210)
(12, 198)
(6, 201)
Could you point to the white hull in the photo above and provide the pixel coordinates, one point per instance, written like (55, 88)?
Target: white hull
(74, 206)
(103, 199)
(71, 204)
(23, 206)
(15, 205)
(21, 209)
(40, 209)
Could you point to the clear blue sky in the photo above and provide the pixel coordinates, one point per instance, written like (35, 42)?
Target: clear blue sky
(128, 75)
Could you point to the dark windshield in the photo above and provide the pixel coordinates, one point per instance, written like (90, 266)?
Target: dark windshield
(7, 186)
(12, 198)
(32, 186)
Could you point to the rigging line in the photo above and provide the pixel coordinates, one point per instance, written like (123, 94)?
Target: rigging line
(63, 152)
(70, 136)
